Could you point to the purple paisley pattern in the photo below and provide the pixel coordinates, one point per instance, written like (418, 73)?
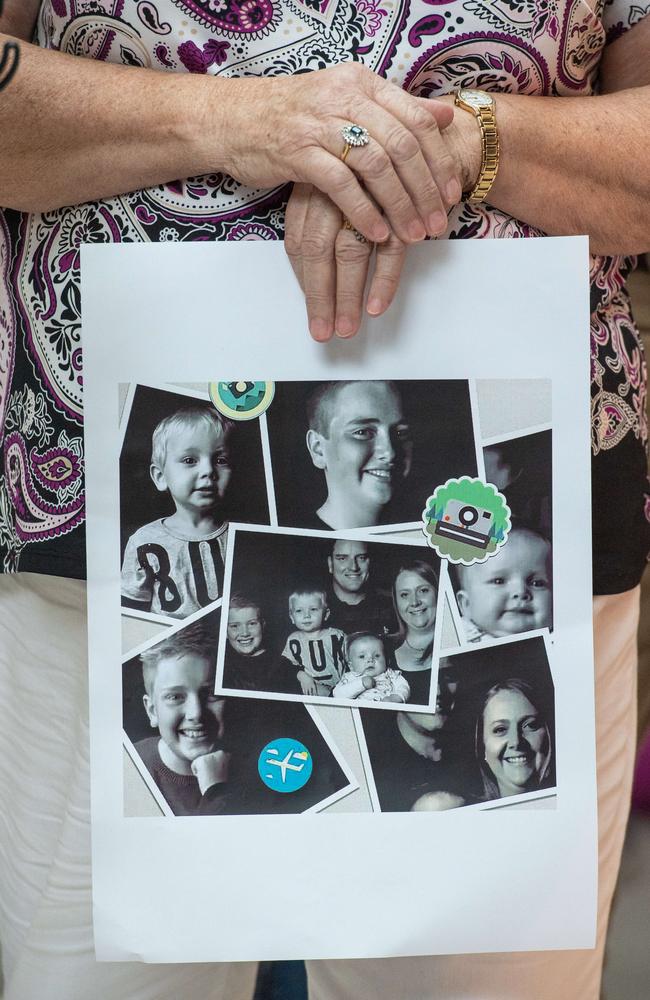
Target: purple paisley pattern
(427, 46)
(234, 17)
(7, 323)
(36, 519)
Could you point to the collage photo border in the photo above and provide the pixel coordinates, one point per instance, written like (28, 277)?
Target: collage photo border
(397, 534)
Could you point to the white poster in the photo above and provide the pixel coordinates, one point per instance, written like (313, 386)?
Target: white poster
(341, 671)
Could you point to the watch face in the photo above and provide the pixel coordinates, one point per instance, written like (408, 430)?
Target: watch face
(476, 98)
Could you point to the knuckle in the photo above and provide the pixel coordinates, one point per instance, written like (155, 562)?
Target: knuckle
(316, 246)
(318, 304)
(351, 251)
(447, 164)
(421, 120)
(350, 73)
(393, 247)
(402, 145)
(376, 161)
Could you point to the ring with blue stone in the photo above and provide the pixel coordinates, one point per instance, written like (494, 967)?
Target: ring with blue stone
(354, 135)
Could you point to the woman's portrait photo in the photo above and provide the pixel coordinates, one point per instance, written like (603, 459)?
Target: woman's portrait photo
(491, 737)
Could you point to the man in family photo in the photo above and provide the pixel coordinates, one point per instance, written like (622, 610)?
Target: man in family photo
(355, 605)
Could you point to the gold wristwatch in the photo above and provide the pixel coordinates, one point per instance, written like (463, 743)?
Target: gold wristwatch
(483, 107)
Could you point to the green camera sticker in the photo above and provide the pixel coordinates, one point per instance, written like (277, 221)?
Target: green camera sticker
(241, 400)
(466, 520)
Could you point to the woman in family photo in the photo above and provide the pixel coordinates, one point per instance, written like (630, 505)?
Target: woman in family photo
(415, 593)
(491, 735)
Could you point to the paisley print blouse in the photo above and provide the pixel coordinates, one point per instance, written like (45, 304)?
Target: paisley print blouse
(549, 47)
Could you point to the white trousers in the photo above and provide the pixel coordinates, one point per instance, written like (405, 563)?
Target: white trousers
(45, 896)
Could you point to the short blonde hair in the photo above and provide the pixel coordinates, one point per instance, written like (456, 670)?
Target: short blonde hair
(191, 641)
(188, 416)
(308, 592)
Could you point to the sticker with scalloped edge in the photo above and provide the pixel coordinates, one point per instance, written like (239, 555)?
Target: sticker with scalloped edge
(466, 520)
(241, 400)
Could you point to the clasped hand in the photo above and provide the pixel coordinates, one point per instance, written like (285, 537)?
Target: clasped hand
(394, 191)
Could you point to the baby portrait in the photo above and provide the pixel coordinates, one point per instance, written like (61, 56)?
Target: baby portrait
(511, 592)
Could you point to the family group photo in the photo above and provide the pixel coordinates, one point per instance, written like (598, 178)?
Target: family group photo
(330, 617)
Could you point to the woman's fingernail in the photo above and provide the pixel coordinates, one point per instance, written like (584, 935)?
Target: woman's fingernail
(320, 329)
(380, 233)
(417, 230)
(437, 223)
(344, 326)
(453, 192)
(375, 307)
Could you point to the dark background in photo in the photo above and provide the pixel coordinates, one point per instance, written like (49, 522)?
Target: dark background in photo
(440, 418)
(140, 501)
(527, 463)
(249, 725)
(401, 776)
(268, 567)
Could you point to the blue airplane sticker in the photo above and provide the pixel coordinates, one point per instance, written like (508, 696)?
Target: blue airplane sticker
(285, 765)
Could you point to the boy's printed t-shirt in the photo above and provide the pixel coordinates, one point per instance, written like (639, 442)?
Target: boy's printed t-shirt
(320, 654)
(168, 573)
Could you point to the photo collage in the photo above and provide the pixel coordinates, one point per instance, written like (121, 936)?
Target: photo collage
(291, 641)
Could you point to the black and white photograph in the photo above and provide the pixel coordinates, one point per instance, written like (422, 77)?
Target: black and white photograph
(491, 737)
(185, 472)
(367, 453)
(315, 616)
(512, 591)
(198, 752)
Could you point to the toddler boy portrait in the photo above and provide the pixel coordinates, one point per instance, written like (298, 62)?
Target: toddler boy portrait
(316, 649)
(174, 565)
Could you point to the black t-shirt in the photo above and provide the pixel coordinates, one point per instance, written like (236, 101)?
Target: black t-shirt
(374, 614)
(263, 672)
(402, 775)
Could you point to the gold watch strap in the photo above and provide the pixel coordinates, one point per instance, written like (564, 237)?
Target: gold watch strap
(487, 123)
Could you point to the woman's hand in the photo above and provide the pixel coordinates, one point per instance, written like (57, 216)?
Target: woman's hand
(289, 129)
(331, 264)
(330, 261)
